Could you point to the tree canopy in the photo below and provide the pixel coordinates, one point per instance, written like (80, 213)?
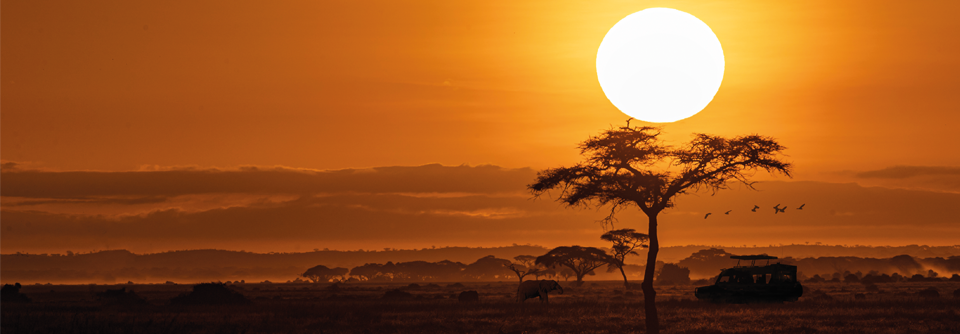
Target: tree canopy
(630, 166)
(581, 260)
(321, 273)
(625, 242)
(525, 266)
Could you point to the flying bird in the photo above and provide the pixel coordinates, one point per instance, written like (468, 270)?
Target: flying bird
(755, 207)
(801, 206)
(776, 208)
(708, 215)
(728, 212)
(783, 209)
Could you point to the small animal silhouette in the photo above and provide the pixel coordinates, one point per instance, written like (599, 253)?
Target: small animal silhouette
(755, 207)
(801, 206)
(728, 212)
(708, 215)
(776, 209)
(469, 296)
(783, 209)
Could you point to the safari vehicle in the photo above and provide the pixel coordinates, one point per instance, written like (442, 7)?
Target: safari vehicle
(765, 283)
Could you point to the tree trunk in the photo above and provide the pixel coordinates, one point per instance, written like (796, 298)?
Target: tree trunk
(626, 285)
(649, 294)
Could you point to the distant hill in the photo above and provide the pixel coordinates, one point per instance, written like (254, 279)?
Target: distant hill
(118, 266)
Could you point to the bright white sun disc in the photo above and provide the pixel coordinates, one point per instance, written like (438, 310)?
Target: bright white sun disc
(660, 65)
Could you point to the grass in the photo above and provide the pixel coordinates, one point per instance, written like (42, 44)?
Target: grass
(356, 308)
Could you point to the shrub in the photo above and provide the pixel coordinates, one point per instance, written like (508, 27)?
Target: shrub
(210, 294)
(930, 292)
(396, 294)
(120, 296)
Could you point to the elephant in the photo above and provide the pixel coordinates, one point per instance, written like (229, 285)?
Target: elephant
(531, 289)
(469, 296)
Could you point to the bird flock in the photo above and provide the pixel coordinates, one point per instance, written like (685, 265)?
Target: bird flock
(776, 209)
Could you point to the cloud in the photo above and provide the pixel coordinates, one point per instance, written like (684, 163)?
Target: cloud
(263, 180)
(406, 217)
(903, 172)
(937, 178)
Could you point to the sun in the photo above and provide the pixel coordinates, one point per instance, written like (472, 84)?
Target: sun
(660, 65)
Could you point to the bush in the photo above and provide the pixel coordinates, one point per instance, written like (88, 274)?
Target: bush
(673, 274)
(930, 292)
(469, 296)
(396, 294)
(210, 294)
(120, 296)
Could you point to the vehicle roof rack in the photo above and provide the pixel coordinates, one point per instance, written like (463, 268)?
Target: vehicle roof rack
(753, 258)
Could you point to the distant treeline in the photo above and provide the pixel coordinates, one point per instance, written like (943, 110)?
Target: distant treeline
(119, 266)
(709, 262)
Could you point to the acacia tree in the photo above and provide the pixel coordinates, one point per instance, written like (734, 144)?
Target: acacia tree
(487, 268)
(524, 266)
(566, 273)
(630, 167)
(322, 273)
(581, 260)
(625, 241)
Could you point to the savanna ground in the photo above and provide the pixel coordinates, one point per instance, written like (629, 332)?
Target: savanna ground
(595, 307)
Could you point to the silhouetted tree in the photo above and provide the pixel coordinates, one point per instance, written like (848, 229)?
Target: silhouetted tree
(851, 278)
(566, 273)
(367, 271)
(487, 268)
(673, 274)
(630, 166)
(581, 260)
(524, 266)
(525, 260)
(625, 241)
(707, 262)
(322, 273)
(546, 272)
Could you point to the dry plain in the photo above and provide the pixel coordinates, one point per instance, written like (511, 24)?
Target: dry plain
(595, 307)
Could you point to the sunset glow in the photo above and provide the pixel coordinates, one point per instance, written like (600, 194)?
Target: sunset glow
(349, 125)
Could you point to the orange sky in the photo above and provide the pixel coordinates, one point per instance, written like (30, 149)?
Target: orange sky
(848, 87)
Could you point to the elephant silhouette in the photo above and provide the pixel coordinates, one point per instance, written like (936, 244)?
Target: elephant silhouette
(11, 293)
(540, 288)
